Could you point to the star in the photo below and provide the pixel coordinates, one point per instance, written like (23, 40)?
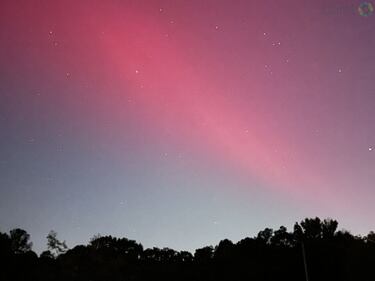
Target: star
(370, 148)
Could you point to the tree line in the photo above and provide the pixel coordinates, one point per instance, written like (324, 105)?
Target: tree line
(314, 250)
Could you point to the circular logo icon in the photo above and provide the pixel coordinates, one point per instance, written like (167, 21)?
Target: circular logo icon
(365, 9)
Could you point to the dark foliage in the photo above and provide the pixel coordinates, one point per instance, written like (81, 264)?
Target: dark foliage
(271, 255)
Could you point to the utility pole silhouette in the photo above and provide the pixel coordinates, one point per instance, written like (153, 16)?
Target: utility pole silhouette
(304, 260)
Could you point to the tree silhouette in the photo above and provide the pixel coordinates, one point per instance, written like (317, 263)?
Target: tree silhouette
(224, 250)
(47, 255)
(272, 254)
(312, 228)
(55, 246)
(282, 238)
(265, 235)
(204, 254)
(19, 239)
(5, 243)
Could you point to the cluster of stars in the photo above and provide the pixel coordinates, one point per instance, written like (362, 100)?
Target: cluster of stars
(275, 44)
(55, 43)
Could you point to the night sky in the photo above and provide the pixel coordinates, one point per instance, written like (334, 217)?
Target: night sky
(180, 123)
